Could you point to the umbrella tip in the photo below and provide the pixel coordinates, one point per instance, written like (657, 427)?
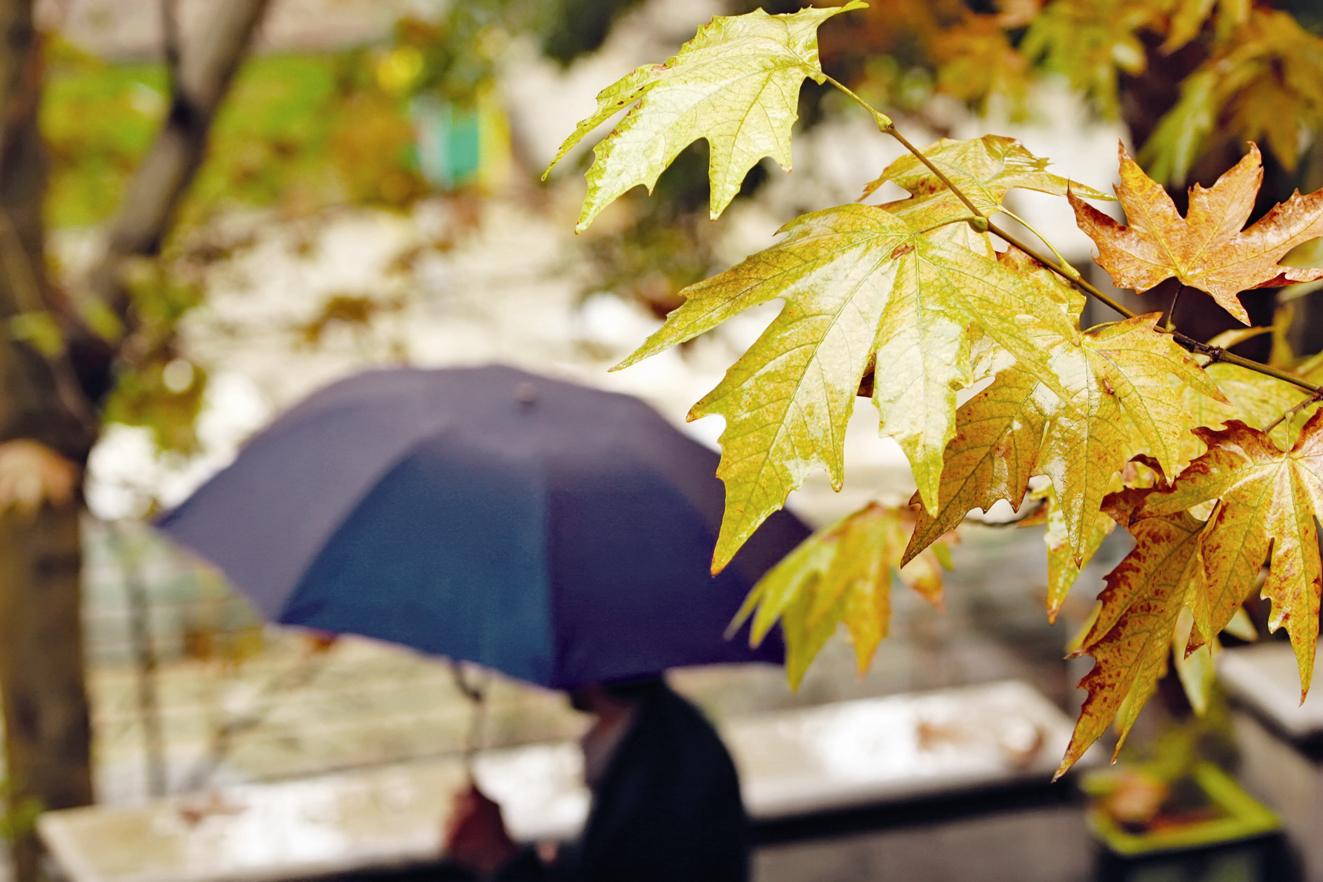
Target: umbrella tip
(525, 394)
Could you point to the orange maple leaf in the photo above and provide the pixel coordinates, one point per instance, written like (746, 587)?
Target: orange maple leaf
(1209, 248)
(1268, 502)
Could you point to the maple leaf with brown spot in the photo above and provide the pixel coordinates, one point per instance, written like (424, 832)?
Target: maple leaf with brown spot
(1132, 633)
(1268, 502)
(1129, 391)
(1209, 248)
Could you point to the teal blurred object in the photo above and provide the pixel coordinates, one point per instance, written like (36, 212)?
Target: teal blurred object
(450, 141)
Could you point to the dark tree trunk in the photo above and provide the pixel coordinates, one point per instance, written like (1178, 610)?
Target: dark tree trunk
(52, 401)
(47, 728)
(48, 735)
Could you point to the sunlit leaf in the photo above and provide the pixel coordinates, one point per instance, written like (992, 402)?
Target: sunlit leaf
(859, 285)
(840, 576)
(985, 169)
(735, 84)
(1129, 391)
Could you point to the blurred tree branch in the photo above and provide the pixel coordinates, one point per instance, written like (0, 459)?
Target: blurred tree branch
(172, 48)
(202, 78)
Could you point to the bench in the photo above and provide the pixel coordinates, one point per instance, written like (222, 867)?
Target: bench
(833, 760)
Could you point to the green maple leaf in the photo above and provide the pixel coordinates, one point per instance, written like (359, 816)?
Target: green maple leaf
(985, 169)
(840, 576)
(735, 84)
(1127, 393)
(859, 285)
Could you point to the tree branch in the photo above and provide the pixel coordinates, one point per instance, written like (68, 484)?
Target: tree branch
(154, 194)
(172, 47)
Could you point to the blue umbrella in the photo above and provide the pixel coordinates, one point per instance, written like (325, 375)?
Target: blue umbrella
(554, 532)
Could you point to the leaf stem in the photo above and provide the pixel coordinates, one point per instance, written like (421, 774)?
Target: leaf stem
(888, 127)
(932, 167)
(1041, 238)
(1169, 323)
(978, 222)
(881, 119)
(1293, 410)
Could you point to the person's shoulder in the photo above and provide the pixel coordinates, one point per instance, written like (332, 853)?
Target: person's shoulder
(667, 701)
(683, 715)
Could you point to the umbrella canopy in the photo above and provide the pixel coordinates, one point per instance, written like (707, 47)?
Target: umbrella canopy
(554, 532)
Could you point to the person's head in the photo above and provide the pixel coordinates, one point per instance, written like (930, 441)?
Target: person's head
(602, 698)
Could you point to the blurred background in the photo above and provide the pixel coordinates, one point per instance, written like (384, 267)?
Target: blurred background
(367, 194)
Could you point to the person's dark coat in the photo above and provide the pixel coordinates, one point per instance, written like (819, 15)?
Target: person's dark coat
(667, 808)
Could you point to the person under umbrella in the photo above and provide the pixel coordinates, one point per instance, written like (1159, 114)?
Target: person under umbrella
(665, 801)
(557, 533)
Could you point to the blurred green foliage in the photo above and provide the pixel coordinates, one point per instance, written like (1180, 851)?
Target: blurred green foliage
(298, 131)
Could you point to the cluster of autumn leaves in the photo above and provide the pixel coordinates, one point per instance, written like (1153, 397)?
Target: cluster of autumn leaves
(1214, 468)
(1238, 70)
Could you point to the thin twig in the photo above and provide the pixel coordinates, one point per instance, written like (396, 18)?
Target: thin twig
(18, 267)
(932, 167)
(1065, 270)
(883, 121)
(25, 276)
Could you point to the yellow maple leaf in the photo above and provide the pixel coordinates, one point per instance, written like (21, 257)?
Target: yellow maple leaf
(1259, 400)
(859, 285)
(984, 169)
(1127, 393)
(840, 576)
(735, 84)
(1207, 249)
